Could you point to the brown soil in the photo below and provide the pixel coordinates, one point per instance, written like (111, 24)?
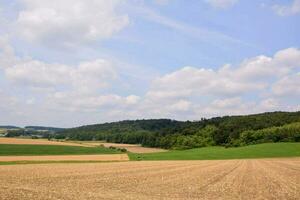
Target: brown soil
(230, 179)
(107, 157)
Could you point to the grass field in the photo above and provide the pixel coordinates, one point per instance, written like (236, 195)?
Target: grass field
(38, 150)
(268, 150)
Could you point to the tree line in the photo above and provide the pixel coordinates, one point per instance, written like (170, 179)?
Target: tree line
(172, 134)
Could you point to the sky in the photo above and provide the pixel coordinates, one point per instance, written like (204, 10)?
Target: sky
(68, 63)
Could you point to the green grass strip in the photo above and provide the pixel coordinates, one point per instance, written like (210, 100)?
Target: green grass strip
(38, 150)
(268, 150)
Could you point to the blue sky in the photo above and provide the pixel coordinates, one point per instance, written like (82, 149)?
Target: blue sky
(67, 63)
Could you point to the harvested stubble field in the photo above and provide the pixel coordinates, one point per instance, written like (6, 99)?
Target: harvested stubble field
(133, 148)
(5, 140)
(229, 179)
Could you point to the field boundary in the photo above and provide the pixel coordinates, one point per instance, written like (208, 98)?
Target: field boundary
(103, 157)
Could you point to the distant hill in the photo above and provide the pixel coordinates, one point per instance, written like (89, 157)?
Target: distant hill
(43, 128)
(33, 131)
(9, 127)
(166, 133)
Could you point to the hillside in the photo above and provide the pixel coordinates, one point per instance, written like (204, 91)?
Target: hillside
(9, 127)
(32, 131)
(172, 134)
(43, 128)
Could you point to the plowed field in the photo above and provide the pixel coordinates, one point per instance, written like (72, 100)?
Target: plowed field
(109, 157)
(228, 179)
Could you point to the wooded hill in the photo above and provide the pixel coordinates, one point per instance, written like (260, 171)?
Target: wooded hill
(166, 133)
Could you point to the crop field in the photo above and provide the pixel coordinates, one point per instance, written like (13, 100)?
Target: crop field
(2, 130)
(229, 179)
(5, 140)
(26, 151)
(134, 148)
(39, 150)
(108, 157)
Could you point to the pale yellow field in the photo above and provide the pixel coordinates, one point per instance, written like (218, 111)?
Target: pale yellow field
(130, 147)
(5, 140)
(103, 157)
(230, 179)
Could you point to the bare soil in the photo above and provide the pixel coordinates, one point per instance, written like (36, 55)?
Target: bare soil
(228, 179)
(106, 157)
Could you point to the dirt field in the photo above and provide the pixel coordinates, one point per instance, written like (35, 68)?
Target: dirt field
(130, 147)
(230, 179)
(4, 140)
(108, 157)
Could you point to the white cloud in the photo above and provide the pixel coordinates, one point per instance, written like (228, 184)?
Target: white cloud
(132, 99)
(93, 75)
(269, 104)
(37, 74)
(181, 105)
(69, 22)
(255, 85)
(77, 102)
(67, 88)
(7, 54)
(190, 81)
(7, 101)
(288, 86)
(288, 58)
(251, 75)
(222, 4)
(85, 77)
(262, 83)
(285, 10)
(263, 67)
(226, 106)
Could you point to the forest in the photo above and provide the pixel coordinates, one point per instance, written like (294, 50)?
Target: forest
(225, 131)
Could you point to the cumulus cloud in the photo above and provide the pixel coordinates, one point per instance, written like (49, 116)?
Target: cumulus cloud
(69, 22)
(251, 75)
(226, 90)
(285, 10)
(288, 86)
(258, 84)
(69, 88)
(85, 77)
(36, 73)
(221, 4)
(78, 102)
